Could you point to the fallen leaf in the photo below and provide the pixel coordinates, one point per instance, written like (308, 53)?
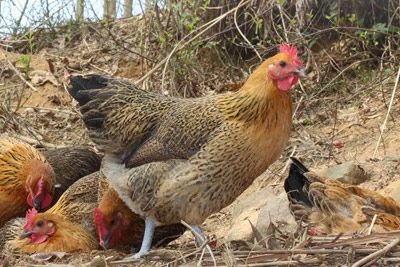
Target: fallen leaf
(40, 77)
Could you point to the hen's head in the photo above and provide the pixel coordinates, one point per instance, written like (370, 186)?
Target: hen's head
(39, 184)
(109, 227)
(37, 227)
(285, 68)
(112, 219)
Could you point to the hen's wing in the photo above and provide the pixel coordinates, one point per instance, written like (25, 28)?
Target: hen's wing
(70, 164)
(139, 126)
(192, 189)
(103, 187)
(79, 200)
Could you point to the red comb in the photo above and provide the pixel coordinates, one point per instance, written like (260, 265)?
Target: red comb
(292, 51)
(29, 217)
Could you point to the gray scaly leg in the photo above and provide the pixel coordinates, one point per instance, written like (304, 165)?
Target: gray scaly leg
(150, 225)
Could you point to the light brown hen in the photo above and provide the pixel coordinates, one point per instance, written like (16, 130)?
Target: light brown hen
(329, 206)
(226, 140)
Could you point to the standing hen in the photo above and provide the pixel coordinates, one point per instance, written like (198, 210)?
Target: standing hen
(329, 206)
(26, 179)
(227, 140)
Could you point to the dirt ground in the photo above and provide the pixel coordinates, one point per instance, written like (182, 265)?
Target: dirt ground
(333, 123)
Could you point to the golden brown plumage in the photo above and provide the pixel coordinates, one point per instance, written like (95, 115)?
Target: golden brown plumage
(70, 164)
(67, 236)
(25, 179)
(329, 206)
(70, 219)
(226, 140)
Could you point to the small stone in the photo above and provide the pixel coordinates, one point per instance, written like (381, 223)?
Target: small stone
(277, 211)
(347, 172)
(393, 191)
(260, 209)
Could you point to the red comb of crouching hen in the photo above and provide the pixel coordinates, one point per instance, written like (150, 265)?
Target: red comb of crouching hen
(29, 217)
(292, 51)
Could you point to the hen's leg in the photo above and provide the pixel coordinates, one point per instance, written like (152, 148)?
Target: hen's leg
(147, 239)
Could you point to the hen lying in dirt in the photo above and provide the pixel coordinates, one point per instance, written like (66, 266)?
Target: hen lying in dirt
(331, 207)
(67, 226)
(26, 179)
(29, 178)
(70, 225)
(70, 164)
(226, 140)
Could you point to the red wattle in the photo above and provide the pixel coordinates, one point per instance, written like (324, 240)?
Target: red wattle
(37, 239)
(46, 202)
(29, 200)
(287, 83)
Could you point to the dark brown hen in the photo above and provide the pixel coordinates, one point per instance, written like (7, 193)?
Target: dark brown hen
(70, 164)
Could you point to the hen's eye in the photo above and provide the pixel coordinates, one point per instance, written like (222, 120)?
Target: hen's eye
(282, 64)
(39, 224)
(112, 222)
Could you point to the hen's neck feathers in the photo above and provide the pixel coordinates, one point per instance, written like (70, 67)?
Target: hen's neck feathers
(258, 100)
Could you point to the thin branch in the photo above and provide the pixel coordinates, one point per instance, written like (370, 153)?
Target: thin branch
(241, 33)
(377, 254)
(387, 114)
(21, 76)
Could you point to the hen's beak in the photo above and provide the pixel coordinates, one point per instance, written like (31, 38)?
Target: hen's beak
(25, 234)
(37, 204)
(300, 72)
(105, 242)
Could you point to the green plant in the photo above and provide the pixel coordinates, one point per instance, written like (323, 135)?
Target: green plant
(26, 62)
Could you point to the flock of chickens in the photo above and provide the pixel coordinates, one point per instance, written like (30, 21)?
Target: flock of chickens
(165, 161)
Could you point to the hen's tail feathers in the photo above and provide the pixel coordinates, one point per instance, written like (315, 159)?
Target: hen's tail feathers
(84, 88)
(296, 184)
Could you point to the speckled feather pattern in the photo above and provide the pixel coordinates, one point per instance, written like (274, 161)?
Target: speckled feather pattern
(133, 226)
(343, 208)
(225, 140)
(70, 164)
(78, 202)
